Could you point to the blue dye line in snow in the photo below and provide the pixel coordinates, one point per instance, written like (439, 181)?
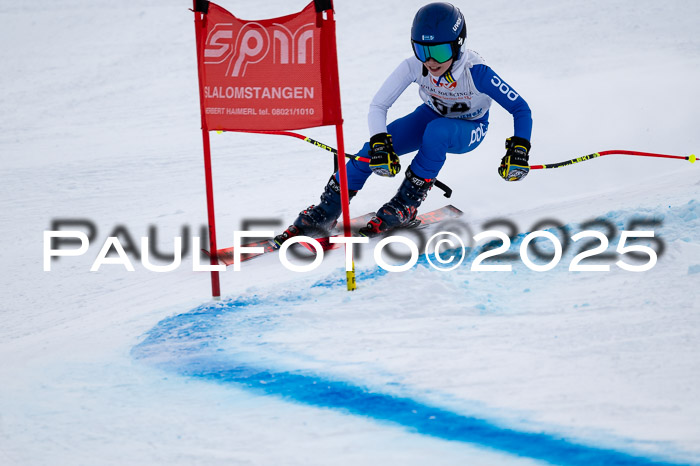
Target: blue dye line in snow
(186, 344)
(418, 417)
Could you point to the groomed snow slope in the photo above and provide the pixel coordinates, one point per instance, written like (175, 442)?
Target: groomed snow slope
(101, 122)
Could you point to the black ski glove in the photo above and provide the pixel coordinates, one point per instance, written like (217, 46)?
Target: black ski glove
(514, 165)
(383, 159)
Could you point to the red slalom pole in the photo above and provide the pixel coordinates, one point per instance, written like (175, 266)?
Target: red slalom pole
(211, 217)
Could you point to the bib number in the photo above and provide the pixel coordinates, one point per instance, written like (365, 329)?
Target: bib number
(443, 107)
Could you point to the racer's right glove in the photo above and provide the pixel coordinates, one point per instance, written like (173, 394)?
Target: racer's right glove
(383, 159)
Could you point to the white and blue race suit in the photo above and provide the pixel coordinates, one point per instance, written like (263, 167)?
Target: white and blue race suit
(453, 117)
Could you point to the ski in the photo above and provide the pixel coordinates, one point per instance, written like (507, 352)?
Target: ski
(421, 221)
(225, 255)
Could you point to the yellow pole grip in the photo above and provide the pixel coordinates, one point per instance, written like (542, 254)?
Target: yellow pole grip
(350, 278)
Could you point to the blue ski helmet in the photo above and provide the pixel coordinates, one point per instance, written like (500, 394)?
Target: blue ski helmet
(438, 32)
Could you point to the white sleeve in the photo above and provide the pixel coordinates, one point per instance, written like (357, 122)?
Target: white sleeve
(393, 87)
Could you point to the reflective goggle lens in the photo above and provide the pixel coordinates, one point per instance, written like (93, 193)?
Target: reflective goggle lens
(439, 52)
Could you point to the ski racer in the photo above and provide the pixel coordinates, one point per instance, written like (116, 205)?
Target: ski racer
(457, 88)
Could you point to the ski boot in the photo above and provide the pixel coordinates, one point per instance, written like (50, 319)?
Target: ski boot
(317, 220)
(401, 210)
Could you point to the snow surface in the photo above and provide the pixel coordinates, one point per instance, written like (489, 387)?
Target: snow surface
(100, 121)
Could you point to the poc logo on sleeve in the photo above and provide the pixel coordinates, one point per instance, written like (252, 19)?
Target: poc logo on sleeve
(503, 87)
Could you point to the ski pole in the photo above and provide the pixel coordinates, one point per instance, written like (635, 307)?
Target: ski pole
(690, 158)
(438, 184)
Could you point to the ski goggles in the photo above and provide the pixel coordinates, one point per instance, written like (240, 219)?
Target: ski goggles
(438, 52)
